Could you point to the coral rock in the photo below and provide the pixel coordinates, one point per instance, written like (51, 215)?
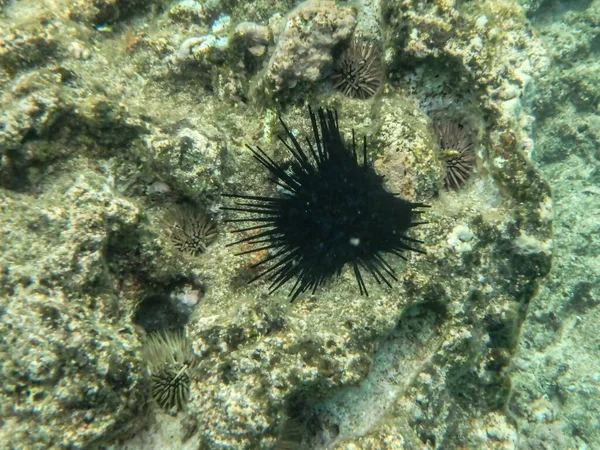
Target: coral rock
(304, 47)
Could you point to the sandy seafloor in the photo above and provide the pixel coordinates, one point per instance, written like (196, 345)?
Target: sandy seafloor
(116, 113)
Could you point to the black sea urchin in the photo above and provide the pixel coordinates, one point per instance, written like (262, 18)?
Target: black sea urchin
(333, 211)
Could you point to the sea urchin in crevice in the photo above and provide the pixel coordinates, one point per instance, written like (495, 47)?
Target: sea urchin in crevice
(189, 230)
(457, 153)
(334, 210)
(170, 357)
(358, 73)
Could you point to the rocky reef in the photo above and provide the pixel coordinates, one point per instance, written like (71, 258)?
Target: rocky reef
(115, 113)
(556, 370)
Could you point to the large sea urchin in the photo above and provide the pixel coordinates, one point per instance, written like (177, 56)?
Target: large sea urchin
(334, 211)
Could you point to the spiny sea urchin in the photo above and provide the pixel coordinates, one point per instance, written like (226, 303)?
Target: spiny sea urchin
(457, 152)
(358, 72)
(189, 230)
(333, 211)
(169, 356)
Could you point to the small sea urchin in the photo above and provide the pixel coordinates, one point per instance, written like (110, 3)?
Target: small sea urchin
(169, 356)
(457, 153)
(358, 72)
(334, 211)
(189, 230)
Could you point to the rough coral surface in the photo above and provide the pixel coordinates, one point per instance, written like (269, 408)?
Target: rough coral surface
(304, 46)
(71, 361)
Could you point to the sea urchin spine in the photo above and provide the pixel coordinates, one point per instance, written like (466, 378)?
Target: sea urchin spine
(334, 211)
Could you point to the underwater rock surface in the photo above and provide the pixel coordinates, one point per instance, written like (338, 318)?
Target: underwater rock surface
(556, 370)
(115, 112)
(71, 372)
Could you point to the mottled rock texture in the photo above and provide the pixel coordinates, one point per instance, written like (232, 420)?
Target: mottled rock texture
(556, 372)
(303, 50)
(71, 372)
(104, 127)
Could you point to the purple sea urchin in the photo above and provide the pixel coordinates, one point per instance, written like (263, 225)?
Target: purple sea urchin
(358, 72)
(457, 153)
(334, 211)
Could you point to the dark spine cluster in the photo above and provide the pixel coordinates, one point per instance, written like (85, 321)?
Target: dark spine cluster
(334, 211)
